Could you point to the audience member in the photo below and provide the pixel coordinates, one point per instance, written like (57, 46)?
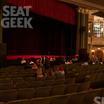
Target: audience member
(60, 73)
(23, 61)
(38, 69)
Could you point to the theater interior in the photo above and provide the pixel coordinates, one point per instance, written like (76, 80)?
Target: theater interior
(51, 52)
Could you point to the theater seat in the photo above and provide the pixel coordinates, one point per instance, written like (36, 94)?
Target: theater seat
(36, 83)
(26, 93)
(70, 80)
(58, 90)
(76, 98)
(49, 82)
(6, 86)
(84, 86)
(41, 101)
(43, 91)
(7, 95)
(60, 99)
(32, 101)
(59, 82)
(20, 84)
(19, 102)
(71, 88)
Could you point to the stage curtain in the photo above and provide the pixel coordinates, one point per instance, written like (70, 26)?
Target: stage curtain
(54, 30)
(49, 37)
(51, 8)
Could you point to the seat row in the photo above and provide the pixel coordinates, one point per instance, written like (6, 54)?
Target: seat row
(24, 93)
(87, 97)
(29, 82)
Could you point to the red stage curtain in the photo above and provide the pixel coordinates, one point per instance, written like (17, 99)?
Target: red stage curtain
(51, 8)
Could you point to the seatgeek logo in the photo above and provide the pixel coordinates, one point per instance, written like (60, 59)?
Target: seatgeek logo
(16, 17)
(99, 100)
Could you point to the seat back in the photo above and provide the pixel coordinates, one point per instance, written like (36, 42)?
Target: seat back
(71, 88)
(60, 100)
(58, 90)
(7, 95)
(43, 91)
(26, 93)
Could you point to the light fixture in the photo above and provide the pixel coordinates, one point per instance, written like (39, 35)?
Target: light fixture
(99, 48)
(92, 50)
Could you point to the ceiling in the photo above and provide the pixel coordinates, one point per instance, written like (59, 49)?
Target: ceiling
(98, 2)
(90, 4)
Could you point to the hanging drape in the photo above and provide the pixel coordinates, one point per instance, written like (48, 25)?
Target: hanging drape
(54, 29)
(51, 8)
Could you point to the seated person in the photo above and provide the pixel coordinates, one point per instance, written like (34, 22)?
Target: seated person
(31, 62)
(38, 68)
(60, 73)
(23, 61)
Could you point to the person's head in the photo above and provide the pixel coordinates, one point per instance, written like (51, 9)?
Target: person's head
(38, 61)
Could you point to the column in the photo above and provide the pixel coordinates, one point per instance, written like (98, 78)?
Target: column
(78, 33)
(86, 32)
(82, 29)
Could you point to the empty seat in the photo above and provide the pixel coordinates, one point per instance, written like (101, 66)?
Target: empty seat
(19, 102)
(59, 82)
(6, 86)
(93, 77)
(81, 78)
(60, 99)
(49, 82)
(31, 101)
(96, 85)
(20, 83)
(26, 93)
(5, 80)
(6, 95)
(76, 98)
(43, 91)
(71, 88)
(43, 100)
(100, 77)
(36, 83)
(28, 79)
(70, 80)
(58, 90)
(84, 86)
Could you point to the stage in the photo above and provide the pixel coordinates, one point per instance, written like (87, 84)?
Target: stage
(30, 56)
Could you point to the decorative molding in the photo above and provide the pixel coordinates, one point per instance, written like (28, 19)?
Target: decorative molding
(83, 10)
(84, 4)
